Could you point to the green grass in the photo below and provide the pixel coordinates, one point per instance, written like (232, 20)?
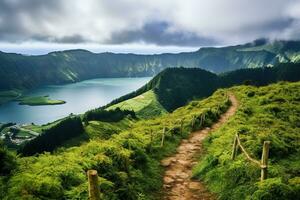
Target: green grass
(145, 105)
(24, 133)
(39, 100)
(99, 130)
(41, 128)
(122, 153)
(266, 113)
(104, 130)
(127, 160)
(35, 128)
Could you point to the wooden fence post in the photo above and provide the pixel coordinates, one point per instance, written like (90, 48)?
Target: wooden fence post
(163, 137)
(264, 160)
(94, 192)
(235, 146)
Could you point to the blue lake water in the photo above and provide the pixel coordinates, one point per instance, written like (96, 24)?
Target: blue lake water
(80, 97)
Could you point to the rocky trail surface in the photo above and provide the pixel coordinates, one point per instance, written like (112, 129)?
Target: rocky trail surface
(178, 182)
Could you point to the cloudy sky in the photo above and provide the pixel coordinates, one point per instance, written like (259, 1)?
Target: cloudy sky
(142, 26)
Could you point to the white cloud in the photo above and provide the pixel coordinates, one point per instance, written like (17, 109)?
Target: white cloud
(40, 48)
(98, 21)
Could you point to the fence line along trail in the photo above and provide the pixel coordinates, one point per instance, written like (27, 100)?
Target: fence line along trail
(178, 184)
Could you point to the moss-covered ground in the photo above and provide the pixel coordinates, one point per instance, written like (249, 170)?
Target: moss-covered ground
(270, 113)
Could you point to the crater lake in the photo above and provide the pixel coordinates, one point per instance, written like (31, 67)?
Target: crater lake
(79, 97)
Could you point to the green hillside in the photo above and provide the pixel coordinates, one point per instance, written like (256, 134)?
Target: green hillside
(127, 159)
(127, 162)
(267, 113)
(126, 150)
(25, 72)
(144, 105)
(174, 87)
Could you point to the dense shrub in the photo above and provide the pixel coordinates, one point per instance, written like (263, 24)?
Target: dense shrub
(3, 126)
(7, 160)
(273, 189)
(54, 136)
(100, 114)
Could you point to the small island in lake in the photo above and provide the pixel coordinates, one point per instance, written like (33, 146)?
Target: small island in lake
(39, 101)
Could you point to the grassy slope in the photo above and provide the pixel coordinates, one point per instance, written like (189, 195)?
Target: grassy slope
(145, 105)
(266, 113)
(104, 130)
(41, 128)
(39, 100)
(174, 87)
(128, 163)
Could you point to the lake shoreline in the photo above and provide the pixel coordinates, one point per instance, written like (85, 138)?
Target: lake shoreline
(75, 98)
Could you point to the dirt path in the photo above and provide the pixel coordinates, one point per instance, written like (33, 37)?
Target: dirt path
(178, 184)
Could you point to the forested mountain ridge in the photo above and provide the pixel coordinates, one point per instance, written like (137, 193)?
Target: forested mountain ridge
(174, 87)
(24, 72)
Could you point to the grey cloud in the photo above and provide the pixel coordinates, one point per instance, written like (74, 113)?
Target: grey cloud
(14, 12)
(156, 33)
(168, 22)
(74, 39)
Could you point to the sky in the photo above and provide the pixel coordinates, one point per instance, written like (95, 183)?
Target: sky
(142, 26)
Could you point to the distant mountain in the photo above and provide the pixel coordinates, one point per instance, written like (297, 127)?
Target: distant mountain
(23, 72)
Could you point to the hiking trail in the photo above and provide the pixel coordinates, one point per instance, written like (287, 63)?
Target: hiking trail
(177, 181)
